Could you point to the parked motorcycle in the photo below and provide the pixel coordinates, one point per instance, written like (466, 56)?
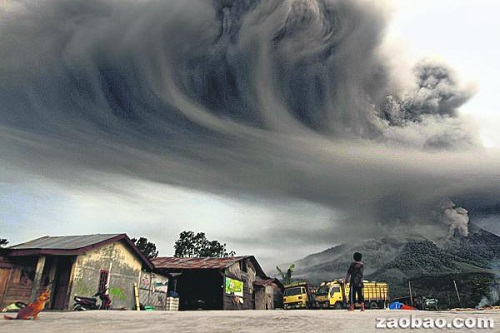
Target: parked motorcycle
(83, 303)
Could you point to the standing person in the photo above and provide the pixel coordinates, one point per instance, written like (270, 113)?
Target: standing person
(354, 276)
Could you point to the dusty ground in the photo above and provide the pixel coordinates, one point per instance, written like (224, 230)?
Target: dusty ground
(233, 321)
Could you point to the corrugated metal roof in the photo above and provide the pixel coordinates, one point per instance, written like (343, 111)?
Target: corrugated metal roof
(71, 245)
(63, 242)
(265, 282)
(195, 263)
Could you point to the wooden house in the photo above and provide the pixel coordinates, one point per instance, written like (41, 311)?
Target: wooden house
(233, 283)
(72, 265)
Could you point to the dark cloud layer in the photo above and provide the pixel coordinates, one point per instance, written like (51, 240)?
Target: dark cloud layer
(275, 98)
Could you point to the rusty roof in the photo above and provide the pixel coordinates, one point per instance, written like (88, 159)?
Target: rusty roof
(265, 282)
(173, 263)
(195, 263)
(269, 282)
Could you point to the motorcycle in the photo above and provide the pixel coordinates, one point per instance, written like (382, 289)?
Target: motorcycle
(83, 303)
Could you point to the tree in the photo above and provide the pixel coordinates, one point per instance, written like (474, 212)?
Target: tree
(147, 248)
(286, 278)
(197, 245)
(3, 242)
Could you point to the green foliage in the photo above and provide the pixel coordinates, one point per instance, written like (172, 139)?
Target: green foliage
(3, 242)
(117, 293)
(147, 248)
(471, 287)
(286, 278)
(197, 245)
(423, 257)
(82, 288)
(432, 270)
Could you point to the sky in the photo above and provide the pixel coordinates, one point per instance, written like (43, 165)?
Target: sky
(279, 128)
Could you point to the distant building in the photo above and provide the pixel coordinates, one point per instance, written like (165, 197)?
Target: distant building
(233, 283)
(77, 265)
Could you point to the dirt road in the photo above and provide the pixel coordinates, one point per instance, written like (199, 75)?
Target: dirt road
(251, 321)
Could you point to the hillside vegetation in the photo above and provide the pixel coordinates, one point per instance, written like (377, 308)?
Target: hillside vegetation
(431, 268)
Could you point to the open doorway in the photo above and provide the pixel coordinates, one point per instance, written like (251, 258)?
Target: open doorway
(60, 297)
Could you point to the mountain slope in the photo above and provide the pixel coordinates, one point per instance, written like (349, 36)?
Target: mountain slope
(333, 262)
(431, 267)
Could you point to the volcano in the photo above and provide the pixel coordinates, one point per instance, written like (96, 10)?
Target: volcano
(430, 267)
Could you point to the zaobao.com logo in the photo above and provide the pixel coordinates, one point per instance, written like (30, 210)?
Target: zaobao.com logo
(413, 322)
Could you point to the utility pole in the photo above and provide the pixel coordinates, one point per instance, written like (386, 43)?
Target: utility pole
(458, 295)
(411, 296)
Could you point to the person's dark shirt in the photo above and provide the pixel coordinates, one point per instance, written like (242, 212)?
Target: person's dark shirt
(356, 273)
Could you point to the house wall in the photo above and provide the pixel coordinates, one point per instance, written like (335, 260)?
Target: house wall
(4, 279)
(246, 272)
(124, 269)
(268, 297)
(277, 297)
(19, 282)
(16, 282)
(260, 298)
(264, 298)
(153, 290)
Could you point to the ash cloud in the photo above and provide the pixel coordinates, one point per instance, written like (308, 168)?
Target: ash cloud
(427, 116)
(270, 98)
(457, 218)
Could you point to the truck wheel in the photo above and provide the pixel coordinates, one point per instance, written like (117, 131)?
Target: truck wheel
(337, 306)
(373, 305)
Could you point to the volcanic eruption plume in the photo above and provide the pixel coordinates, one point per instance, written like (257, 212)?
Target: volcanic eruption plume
(277, 98)
(455, 217)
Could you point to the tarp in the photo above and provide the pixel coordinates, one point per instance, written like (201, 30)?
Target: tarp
(395, 306)
(400, 306)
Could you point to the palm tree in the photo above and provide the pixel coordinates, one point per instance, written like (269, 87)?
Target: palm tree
(286, 277)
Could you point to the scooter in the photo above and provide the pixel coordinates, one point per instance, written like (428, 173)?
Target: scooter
(90, 303)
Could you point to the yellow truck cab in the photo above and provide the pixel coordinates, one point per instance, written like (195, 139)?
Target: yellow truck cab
(334, 294)
(297, 295)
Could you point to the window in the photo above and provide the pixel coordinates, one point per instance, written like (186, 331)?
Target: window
(323, 290)
(27, 275)
(292, 291)
(103, 280)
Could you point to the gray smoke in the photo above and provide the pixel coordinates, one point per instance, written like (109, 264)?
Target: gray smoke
(494, 290)
(456, 218)
(426, 117)
(492, 298)
(280, 98)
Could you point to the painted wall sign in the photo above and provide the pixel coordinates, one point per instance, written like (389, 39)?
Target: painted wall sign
(234, 287)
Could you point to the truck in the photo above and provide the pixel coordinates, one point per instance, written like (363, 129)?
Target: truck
(298, 295)
(430, 304)
(335, 294)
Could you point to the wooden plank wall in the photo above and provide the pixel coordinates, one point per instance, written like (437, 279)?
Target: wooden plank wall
(4, 280)
(248, 303)
(231, 303)
(15, 289)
